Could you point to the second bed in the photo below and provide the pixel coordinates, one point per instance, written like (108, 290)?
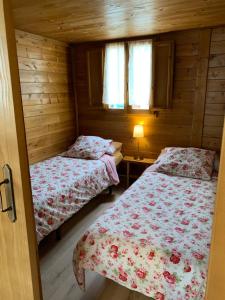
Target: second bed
(155, 239)
(61, 186)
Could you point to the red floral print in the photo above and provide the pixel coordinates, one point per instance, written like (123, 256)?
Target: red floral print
(50, 221)
(122, 275)
(61, 187)
(159, 296)
(170, 278)
(169, 239)
(136, 226)
(102, 230)
(82, 254)
(135, 216)
(141, 273)
(134, 285)
(130, 261)
(187, 269)
(40, 214)
(128, 233)
(151, 255)
(185, 222)
(157, 251)
(175, 259)
(114, 251)
(114, 248)
(199, 256)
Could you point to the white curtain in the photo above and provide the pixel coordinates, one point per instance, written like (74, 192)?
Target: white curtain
(140, 74)
(114, 75)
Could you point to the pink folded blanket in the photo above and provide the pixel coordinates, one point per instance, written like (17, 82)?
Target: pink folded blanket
(111, 168)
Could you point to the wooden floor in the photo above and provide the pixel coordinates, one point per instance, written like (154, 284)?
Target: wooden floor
(57, 276)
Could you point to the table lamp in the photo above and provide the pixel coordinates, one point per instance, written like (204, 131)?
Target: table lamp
(138, 133)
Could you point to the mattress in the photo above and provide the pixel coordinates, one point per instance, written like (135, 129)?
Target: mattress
(118, 157)
(61, 186)
(155, 239)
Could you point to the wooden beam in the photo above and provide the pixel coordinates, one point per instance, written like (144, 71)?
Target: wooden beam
(201, 86)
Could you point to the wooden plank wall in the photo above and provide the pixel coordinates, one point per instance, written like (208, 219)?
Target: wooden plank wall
(215, 99)
(47, 96)
(173, 127)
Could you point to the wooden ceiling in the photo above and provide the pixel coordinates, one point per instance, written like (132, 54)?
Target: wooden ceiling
(91, 20)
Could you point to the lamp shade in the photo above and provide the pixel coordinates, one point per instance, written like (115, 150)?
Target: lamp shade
(138, 131)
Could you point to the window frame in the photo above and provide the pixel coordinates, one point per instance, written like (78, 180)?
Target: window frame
(128, 108)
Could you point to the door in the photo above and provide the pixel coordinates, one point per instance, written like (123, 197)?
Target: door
(19, 270)
(216, 273)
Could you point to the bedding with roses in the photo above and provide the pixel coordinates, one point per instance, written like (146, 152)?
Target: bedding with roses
(155, 239)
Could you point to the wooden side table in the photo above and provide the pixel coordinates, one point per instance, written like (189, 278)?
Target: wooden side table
(131, 160)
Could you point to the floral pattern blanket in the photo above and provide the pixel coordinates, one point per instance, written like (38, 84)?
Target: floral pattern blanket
(155, 239)
(61, 186)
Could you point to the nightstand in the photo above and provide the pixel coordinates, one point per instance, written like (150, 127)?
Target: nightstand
(146, 162)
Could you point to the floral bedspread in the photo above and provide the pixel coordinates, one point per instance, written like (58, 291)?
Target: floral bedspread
(61, 186)
(155, 239)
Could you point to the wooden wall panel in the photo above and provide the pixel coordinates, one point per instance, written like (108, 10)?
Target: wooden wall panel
(200, 88)
(47, 96)
(215, 99)
(173, 127)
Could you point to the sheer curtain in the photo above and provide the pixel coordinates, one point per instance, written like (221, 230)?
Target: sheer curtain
(140, 74)
(114, 75)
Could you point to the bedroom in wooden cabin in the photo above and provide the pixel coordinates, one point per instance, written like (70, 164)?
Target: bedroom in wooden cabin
(112, 150)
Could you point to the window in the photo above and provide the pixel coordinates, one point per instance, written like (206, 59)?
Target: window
(140, 74)
(114, 76)
(137, 75)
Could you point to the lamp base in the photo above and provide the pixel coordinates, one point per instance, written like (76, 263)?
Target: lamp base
(138, 157)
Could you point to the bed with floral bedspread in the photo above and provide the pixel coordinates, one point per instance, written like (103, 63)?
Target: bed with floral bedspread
(155, 239)
(61, 186)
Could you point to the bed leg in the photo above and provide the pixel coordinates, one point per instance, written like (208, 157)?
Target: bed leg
(58, 234)
(110, 190)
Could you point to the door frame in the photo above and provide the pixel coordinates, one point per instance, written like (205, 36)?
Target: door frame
(20, 272)
(215, 288)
